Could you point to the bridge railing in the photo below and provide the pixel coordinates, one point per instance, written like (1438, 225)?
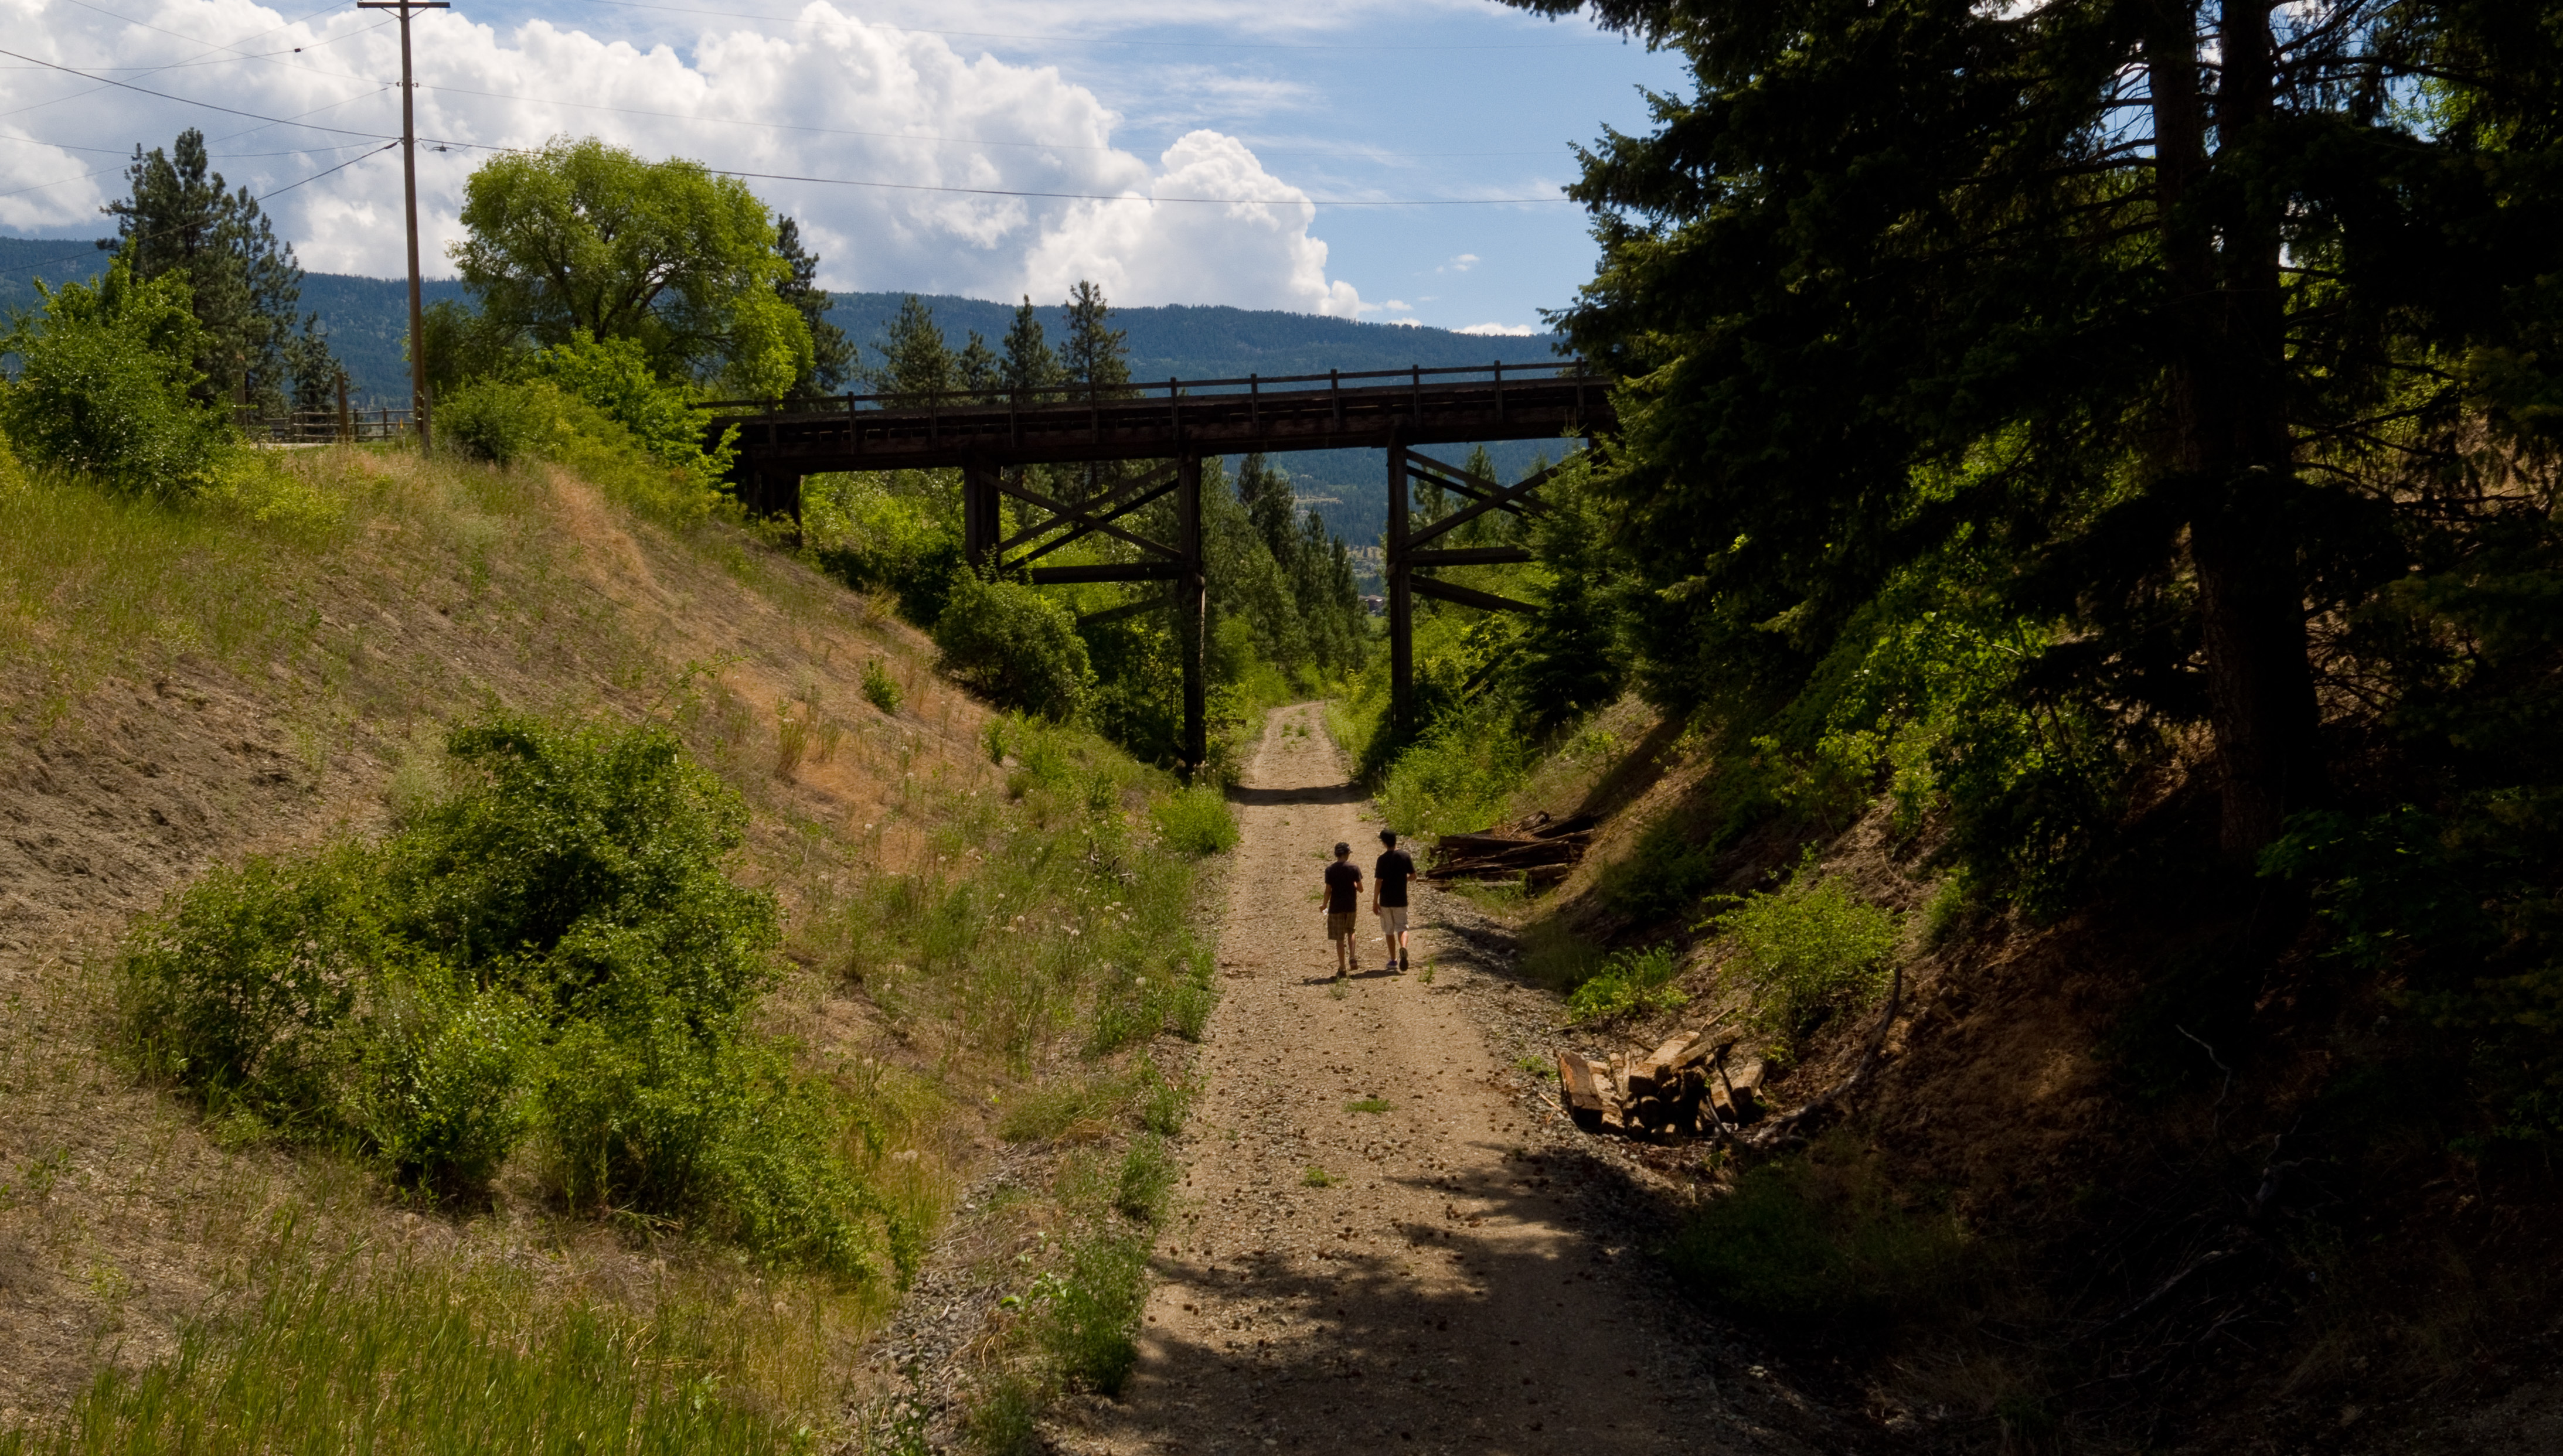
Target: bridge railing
(1564, 371)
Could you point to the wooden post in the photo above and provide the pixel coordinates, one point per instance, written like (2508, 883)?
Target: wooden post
(1192, 612)
(346, 424)
(1401, 599)
(979, 515)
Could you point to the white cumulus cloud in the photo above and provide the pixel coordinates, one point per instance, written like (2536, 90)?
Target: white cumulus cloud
(1507, 330)
(912, 165)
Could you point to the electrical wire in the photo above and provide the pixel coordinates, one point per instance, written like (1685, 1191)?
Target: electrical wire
(1101, 40)
(262, 197)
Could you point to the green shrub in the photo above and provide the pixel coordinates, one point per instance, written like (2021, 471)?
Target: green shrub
(552, 949)
(1630, 984)
(1196, 820)
(1088, 1314)
(1808, 949)
(1013, 646)
(104, 380)
(881, 689)
(502, 422)
(1665, 876)
(1817, 1239)
(902, 534)
(1149, 1173)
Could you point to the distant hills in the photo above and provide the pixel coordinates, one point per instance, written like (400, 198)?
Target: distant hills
(367, 318)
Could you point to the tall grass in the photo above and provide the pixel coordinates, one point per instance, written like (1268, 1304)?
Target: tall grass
(1062, 905)
(392, 1355)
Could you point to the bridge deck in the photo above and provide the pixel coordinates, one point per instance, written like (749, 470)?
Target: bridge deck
(1374, 409)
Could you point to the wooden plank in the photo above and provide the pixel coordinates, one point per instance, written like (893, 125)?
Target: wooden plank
(1113, 571)
(1466, 595)
(1576, 1082)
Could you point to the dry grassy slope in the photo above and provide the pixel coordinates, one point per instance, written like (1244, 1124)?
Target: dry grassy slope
(1998, 1092)
(124, 772)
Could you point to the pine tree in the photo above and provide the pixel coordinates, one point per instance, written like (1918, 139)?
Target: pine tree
(181, 218)
(1095, 353)
(2144, 307)
(915, 364)
(979, 371)
(833, 361)
(1265, 491)
(1028, 365)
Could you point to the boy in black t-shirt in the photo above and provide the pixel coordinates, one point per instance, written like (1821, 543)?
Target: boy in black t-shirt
(1388, 897)
(1343, 900)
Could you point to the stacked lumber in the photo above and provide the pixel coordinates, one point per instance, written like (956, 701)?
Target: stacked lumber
(1687, 1085)
(1537, 847)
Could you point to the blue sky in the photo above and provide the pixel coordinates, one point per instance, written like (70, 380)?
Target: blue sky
(1128, 116)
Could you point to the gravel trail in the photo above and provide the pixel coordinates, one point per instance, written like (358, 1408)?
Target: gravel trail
(1424, 1288)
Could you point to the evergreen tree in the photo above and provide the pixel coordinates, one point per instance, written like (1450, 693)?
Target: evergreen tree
(2141, 310)
(832, 357)
(181, 218)
(979, 370)
(1265, 491)
(1028, 365)
(1095, 353)
(915, 362)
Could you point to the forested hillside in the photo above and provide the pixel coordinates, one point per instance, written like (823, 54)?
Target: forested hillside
(2056, 671)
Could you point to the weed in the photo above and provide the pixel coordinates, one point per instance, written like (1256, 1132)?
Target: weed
(1196, 822)
(419, 1362)
(1425, 976)
(1663, 876)
(1819, 1239)
(1066, 1111)
(1318, 1177)
(1808, 949)
(1368, 1104)
(1001, 1422)
(1149, 1173)
(1630, 984)
(1537, 1066)
(1087, 1314)
(791, 738)
(1163, 1103)
(881, 689)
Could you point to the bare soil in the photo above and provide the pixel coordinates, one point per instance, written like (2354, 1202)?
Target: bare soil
(1439, 1291)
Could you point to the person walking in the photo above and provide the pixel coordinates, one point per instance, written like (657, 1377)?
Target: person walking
(1388, 896)
(1344, 902)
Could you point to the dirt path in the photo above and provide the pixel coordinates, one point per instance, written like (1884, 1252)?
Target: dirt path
(1432, 1297)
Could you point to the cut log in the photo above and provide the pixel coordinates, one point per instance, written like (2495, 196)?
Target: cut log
(1585, 1102)
(1580, 824)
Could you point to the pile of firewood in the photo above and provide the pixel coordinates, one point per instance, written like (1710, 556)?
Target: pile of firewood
(1537, 847)
(1688, 1086)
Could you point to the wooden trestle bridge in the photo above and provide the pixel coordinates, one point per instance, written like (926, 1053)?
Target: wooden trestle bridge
(1176, 423)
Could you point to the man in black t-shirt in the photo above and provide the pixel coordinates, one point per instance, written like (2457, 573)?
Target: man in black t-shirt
(1344, 902)
(1388, 896)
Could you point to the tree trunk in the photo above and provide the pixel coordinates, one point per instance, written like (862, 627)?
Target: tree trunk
(2227, 446)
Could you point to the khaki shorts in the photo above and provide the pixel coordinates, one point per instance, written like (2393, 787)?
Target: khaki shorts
(1392, 919)
(1340, 924)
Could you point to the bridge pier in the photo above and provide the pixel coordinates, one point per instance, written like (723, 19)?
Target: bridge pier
(981, 521)
(1192, 612)
(1401, 599)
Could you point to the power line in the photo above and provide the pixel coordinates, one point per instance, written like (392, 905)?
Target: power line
(457, 90)
(262, 197)
(208, 105)
(148, 70)
(237, 53)
(443, 144)
(1102, 41)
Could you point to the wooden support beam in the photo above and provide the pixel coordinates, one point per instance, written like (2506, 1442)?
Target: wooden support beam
(1501, 499)
(1065, 512)
(1401, 601)
(1126, 609)
(1111, 507)
(981, 519)
(1467, 596)
(1110, 571)
(1469, 556)
(1192, 613)
(1476, 487)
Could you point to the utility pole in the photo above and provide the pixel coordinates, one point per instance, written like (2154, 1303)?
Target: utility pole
(409, 193)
